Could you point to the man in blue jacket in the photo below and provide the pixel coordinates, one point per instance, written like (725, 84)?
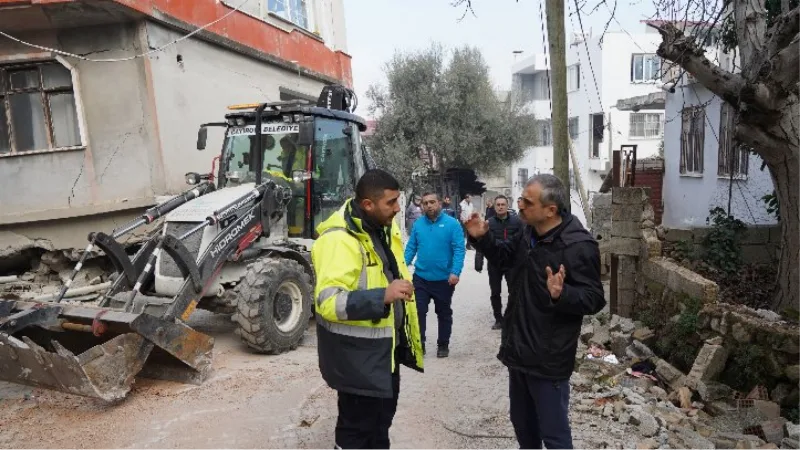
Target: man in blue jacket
(437, 242)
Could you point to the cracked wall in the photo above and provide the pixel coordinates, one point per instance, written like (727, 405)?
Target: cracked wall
(112, 170)
(140, 118)
(199, 88)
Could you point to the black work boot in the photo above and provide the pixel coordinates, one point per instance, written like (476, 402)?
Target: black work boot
(498, 325)
(443, 351)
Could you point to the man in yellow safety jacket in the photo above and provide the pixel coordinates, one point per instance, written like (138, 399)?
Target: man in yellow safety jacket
(367, 321)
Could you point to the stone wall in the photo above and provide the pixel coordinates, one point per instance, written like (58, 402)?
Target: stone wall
(633, 241)
(663, 285)
(760, 244)
(656, 290)
(601, 228)
(644, 276)
(745, 346)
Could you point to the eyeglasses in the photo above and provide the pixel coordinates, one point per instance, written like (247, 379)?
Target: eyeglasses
(524, 201)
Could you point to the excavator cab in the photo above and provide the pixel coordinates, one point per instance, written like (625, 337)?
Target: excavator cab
(316, 150)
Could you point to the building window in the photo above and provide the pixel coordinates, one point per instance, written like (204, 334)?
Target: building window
(295, 11)
(573, 125)
(37, 108)
(733, 159)
(645, 67)
(692, 139)
(645, 125)
(544, 135)
(522, 177)
(541, 89)
(597, 128)
(573, 77)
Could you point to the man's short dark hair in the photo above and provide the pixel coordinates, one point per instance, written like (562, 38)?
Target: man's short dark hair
(501, 197)
(553, 190)
(372, 184)
(427, 193)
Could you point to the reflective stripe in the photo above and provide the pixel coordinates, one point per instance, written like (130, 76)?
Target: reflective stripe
(327, 293)
(355, 330)
(341, 305)
(339, 296)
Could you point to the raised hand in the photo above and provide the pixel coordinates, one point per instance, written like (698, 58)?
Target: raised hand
(476, 226)
(555, 282)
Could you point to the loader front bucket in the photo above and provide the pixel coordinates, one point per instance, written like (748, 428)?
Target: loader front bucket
(96, 352)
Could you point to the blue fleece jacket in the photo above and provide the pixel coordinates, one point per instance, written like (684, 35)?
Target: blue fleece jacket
(438, 247)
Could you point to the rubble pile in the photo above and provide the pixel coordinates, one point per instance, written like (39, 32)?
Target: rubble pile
(48, 273)
(619, 378)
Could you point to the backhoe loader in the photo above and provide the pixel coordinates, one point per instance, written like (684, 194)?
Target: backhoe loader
(236, 241)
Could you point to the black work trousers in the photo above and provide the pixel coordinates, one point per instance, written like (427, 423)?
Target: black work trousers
(496, 275)
(539, 410)
(363, 421)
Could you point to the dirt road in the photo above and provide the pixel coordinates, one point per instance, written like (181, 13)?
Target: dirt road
(281, 401)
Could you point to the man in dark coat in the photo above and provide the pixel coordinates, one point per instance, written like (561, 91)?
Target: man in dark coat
(555, 281)
(505, 227)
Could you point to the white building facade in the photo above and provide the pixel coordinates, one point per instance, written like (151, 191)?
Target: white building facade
(703, 169)
(598, 74)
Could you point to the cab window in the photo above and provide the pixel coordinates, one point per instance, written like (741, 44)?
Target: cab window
(335, 181)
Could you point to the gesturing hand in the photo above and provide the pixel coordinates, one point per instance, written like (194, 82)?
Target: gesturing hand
(398, 290)
(555, 283)
(476, 227)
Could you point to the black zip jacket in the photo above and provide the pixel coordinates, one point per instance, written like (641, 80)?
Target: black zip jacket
(505, 230)
(540, 336)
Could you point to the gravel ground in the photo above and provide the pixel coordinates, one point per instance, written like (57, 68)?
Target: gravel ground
(281, 401)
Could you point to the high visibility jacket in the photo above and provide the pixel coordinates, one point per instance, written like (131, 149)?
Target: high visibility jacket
(355, 330)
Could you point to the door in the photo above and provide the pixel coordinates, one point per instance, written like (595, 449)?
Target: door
(336, 168)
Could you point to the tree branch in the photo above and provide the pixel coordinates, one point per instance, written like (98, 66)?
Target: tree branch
(770, 147)
(751, 25)
(783, 31)
(785, 68)
(733, 88)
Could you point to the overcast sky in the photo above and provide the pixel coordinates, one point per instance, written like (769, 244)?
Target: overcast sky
(376, 28)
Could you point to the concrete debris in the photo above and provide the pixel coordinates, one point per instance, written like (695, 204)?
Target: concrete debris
(790, 443)
(769, 315)
(672, 409)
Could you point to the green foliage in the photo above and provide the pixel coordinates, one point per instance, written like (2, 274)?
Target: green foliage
(721, 247)
(684, 250)
(773, 207)
(443, 104)
(747, 366)
(792, 414)
(679, 341)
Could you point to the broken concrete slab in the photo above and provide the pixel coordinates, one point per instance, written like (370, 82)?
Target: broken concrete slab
(680, 279)
(619, 343)
(692, 439)
(790, 443)
(709, 391)
(12, 243)
(648, 425)
(643, 334)
(639, 350)
(601, 336)
(674, 377)
(647, 444)
(792, 430)
(709, 363)
(716, 340)
(773, 429)
(736, 440)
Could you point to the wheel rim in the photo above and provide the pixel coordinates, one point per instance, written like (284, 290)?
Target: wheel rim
(288, 306)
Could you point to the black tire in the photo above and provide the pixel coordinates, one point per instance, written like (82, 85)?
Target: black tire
(264, 322)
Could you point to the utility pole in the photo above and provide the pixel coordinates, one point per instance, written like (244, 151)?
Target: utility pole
(558, 88)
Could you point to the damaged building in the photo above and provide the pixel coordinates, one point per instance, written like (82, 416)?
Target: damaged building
(101, 99)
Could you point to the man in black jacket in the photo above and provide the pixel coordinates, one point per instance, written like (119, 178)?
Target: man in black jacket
(554, 281)
(503, 226)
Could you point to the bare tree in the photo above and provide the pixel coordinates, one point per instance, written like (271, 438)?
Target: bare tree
(765, 95)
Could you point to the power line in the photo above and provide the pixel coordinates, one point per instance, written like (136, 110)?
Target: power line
(129, 58)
